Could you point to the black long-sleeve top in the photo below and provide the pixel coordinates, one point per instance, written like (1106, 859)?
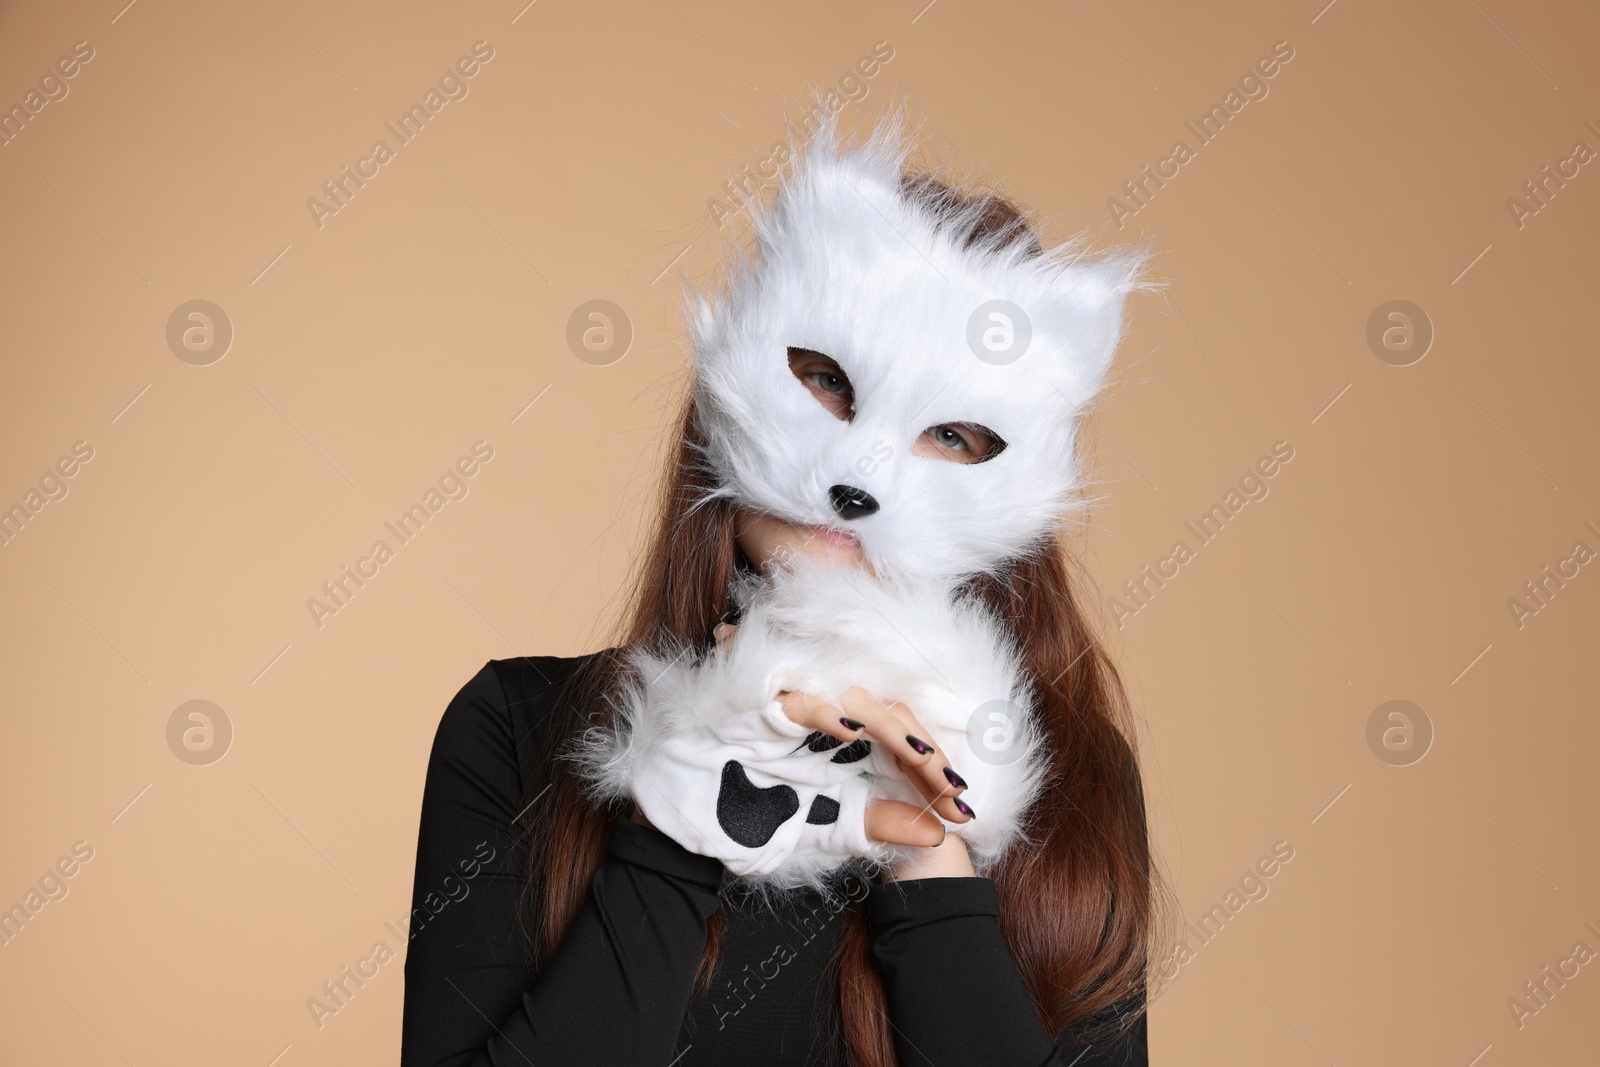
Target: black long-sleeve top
(617, 989)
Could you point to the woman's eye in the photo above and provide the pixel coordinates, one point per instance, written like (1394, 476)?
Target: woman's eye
(963, 442)
(826, 380)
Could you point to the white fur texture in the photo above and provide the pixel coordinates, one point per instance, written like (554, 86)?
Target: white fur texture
(846, 265)
(824, 631)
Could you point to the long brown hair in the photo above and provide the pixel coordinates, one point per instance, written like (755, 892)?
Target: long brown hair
(1080, 909)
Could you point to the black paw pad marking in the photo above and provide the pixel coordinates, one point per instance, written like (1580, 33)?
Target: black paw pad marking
(748, 813)
(824, 810)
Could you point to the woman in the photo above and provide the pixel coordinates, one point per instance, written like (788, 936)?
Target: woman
(550, 929)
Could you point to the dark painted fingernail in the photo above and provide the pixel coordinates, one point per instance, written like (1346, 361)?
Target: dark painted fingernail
(922, 747)
(851, 724)
(962, 807)
(955, 779)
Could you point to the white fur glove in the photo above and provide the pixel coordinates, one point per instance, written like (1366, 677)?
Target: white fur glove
(707, 753)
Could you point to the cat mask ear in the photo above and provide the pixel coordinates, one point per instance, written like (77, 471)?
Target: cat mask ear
(938, 310)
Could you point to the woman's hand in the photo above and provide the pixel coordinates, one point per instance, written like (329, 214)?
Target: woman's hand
(923, 763)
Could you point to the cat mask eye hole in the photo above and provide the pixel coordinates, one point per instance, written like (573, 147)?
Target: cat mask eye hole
(959, 442)
(826, 380)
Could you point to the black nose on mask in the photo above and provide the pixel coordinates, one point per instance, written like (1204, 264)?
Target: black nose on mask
(852, 503)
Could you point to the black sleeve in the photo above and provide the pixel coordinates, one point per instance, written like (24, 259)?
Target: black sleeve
(955, 996)
(616, 990)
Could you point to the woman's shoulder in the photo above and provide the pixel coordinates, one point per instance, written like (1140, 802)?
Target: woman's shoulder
(493, 718)
(529, 682)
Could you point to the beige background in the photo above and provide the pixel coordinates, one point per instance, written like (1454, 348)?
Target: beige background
(426, 315)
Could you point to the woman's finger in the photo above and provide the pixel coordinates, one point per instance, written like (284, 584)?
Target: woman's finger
(925, 764)
(818, 714)
(945, 803)
(902, 824)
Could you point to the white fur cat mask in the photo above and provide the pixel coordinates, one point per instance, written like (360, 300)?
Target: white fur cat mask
(930, 331)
